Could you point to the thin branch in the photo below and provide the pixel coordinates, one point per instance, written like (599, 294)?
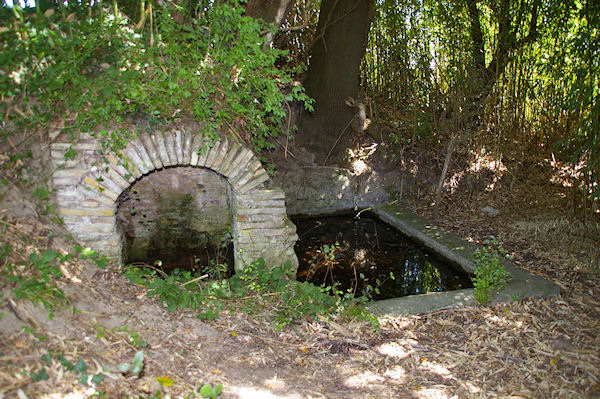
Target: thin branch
(295, 28)
(194, 280)
(338, 139)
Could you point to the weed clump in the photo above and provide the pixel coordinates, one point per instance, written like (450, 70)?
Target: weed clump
(490, 275)
(258, 289)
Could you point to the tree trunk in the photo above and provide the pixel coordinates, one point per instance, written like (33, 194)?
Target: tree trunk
(334, 74)
(484, 77)
(270, 11)
(478, 51)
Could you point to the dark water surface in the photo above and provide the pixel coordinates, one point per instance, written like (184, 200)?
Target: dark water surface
(368, 246)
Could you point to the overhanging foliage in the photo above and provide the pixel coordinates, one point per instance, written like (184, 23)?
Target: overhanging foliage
(92, 67)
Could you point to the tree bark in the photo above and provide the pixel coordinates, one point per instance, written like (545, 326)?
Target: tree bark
(478, 50)
(334, 74)
(270, 11)
(482, 76)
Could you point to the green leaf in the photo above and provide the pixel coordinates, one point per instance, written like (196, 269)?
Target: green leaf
(207, 391)
(124, 367)
(89, 253)
(83, 379)
(80, 366)
(70, 154)
(97, 378)
(39, 376)
(101, 262)
(138, 357)
(138, 363)
(66, 364)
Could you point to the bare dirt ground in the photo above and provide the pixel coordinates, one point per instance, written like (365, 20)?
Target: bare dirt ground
(533, 348)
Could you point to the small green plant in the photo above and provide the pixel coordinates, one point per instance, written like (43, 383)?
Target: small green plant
(258, 289)
(36, 279)
(42, 194)
(217, 268)
(323, 257)
(208, 391)
(88, 253)
(79, 367)
(34, 333)
(41, 375)
(135, 338)
(135, 367)
(490, 275)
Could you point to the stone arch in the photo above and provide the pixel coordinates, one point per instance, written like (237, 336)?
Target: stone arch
(87, 190)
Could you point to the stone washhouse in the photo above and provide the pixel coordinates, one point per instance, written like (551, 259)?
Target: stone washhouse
(88, 189)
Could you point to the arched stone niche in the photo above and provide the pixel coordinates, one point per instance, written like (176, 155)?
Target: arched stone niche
(87, 191)
(178, 215)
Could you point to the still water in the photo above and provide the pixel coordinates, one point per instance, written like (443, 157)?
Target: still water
(365, 255)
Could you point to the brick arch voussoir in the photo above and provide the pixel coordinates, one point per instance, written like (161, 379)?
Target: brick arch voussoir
(150, 152)
(233, 160)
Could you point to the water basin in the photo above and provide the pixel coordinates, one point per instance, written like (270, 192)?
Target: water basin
(365, 255)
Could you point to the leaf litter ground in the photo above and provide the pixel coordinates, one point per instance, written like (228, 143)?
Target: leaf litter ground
(534, 348)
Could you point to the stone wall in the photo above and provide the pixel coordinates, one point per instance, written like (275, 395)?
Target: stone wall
(263, 210)
(326, 189)
(87, 190)
(184, 202)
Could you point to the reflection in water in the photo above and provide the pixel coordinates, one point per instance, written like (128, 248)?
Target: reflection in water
(366, 255)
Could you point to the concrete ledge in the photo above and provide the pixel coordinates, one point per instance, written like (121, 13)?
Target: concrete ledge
(460, 254)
